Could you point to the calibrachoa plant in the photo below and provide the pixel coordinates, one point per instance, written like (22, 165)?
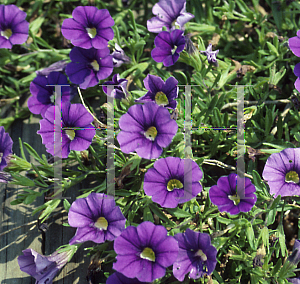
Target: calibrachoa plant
(148, 185)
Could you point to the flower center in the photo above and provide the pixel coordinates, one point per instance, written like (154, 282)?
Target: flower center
(52, 98)
(7, 33)
(161, 99)
(292, 177)
(174, 49)
(95, 65)
(1, 155)
(201, 254)
(101, 223)
(70, 133)
(91, 32)
(148, 254)
(174, 183)
(151, 133)
(235, 198)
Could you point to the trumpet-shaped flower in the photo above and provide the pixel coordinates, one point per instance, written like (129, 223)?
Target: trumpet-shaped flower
(168, 181)
(6, 144)
(160, 92)
(77, 131)
(97, 219)
(225, 195)
(89, 27)
(168, 46)
(169, 13)
(146, 129)
(88, 66)
(13, 26)
(144, 252)
(282, 172)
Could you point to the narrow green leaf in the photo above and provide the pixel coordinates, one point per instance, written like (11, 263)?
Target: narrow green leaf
(250, 235)
(51, 205)
(147, 215)
(33, 153)
(67, 205)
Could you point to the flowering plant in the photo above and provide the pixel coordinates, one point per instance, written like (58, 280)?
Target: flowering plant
(149, 141)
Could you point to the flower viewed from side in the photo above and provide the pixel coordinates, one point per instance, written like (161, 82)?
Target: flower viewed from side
(146, 129)
(144, 252)
(13, 26)
(5, 177)
(88, 66)
(6, 144)
(43, 268)
(169, 13)
(77, 130)
(294, 258)
(58, 66)
(282, 172)
(119, 56)
(119, 91)
(160, 92)
(168, 46)
(211, 55)
(97, 219)
(297, 73)
(196, 255)
(294, 44)
(119, 278)
(43, 96)
(90, 27)
(225, 196)
(165, 182)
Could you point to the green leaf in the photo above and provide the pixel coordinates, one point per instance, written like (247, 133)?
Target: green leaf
(67, 205)
(51, 205)
(276, 267)
(179, 213)
(265, 237)
(33, 153)
(250, 235)
(147, 215)
(272, 48)
(280, 234)
(36, 24)
(161, 215)
(21, 180)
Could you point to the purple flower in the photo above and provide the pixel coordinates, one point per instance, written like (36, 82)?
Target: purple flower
(57, 66)
(120, 88)
(168, 46)
(294, 44)
(165, 182)
(97, 218)
(13, 27)
(119, 278)
(160, 92)
(169, 13)
(90, 27)
(144, 252)
(196, 255)
(294, 258)
(43, 268)
(297, 73)
(43, 96)
(294, 280)
(146, 129)
(225, 196)
(88, 66)
(211, 55)
(73, 116)
(119, 56)
(5, 148)
(5, 177)
(282, 171)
